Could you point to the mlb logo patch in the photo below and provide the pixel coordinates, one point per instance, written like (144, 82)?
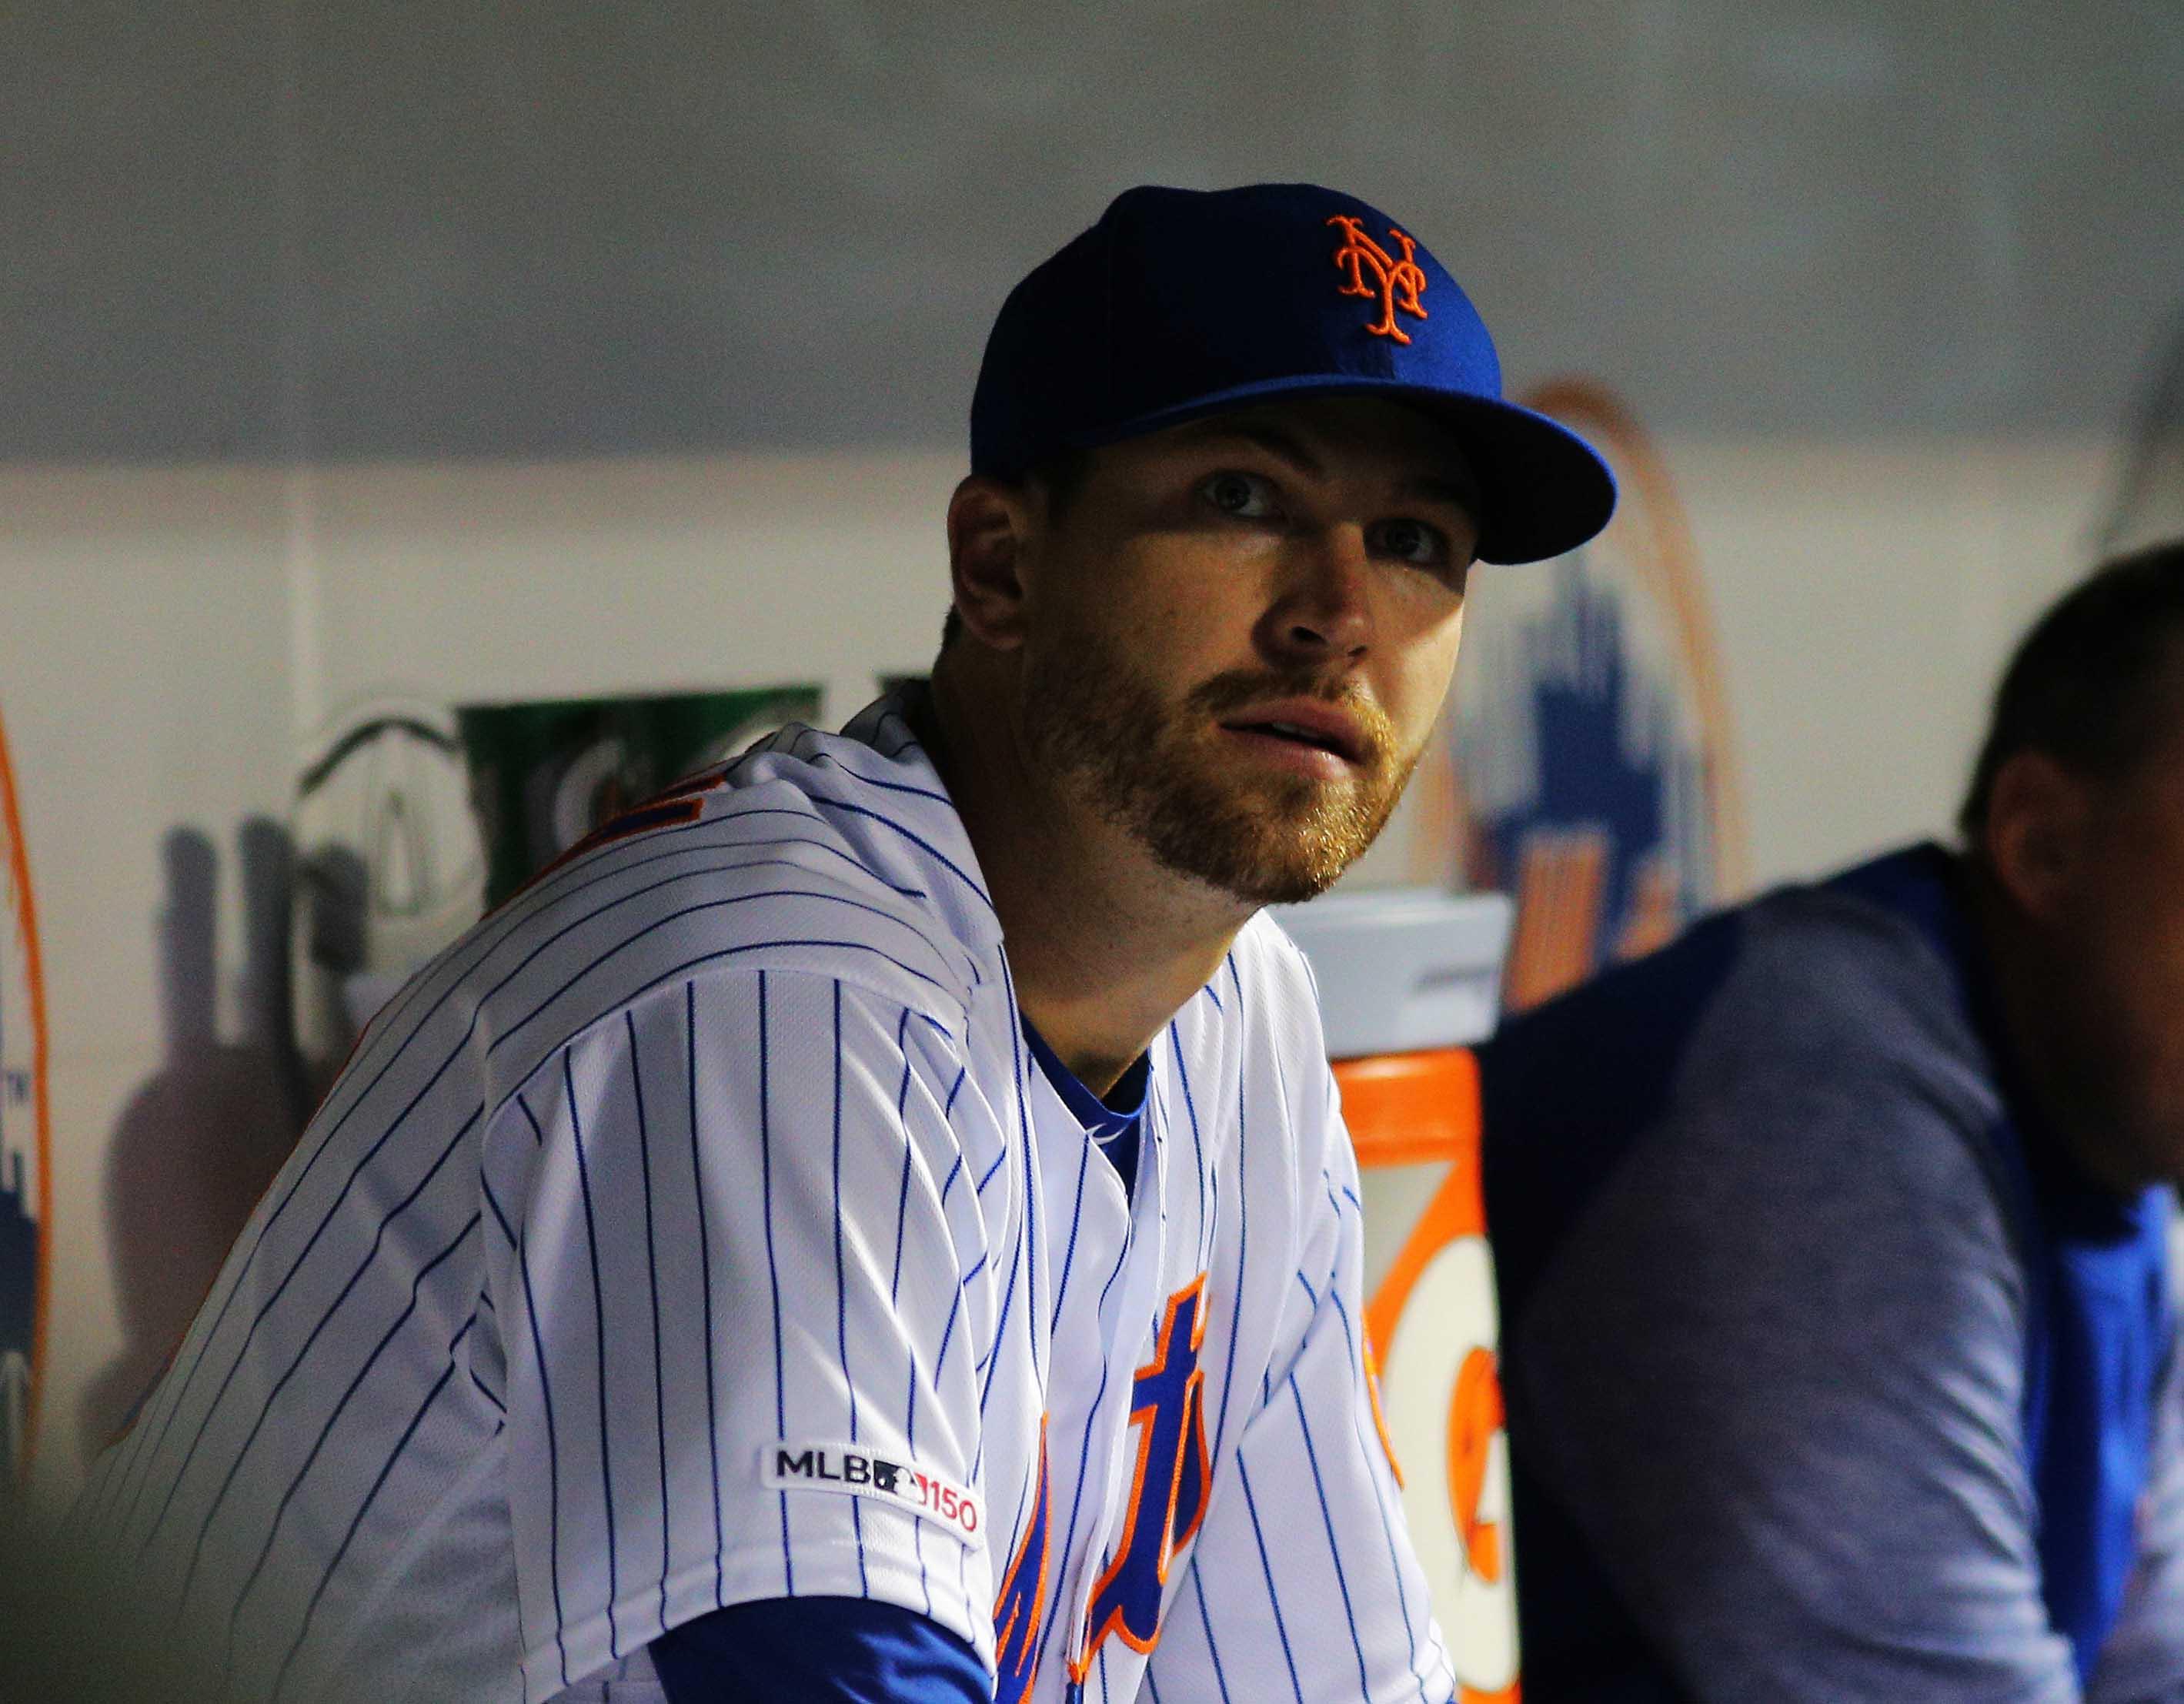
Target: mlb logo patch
(849, 1471)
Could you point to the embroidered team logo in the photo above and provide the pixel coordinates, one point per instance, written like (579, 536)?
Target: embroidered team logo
(1395, 284)
(1020, 1608)
(1168, 1495)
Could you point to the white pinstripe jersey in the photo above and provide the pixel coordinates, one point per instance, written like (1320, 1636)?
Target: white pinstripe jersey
(699, 1230)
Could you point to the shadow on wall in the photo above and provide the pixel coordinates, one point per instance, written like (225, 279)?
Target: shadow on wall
(202, 1137)
(77, 1634)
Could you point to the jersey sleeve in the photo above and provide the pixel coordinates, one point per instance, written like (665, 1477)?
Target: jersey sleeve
(818, 1651)
(1775, 1378)
(1302, 1582)
(728, 1274)
(2142, 1662)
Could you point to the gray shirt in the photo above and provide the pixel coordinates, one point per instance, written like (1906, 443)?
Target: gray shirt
(1778, 1383)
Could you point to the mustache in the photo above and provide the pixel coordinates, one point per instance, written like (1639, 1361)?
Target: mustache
(1243, 689)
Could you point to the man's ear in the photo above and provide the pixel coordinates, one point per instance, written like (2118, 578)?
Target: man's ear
(2037, 835)
(989, 527)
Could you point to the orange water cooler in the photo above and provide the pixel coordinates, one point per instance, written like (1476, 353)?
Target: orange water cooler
(1408, 978)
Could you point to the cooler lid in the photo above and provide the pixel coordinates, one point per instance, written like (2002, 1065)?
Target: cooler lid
(1403, 969)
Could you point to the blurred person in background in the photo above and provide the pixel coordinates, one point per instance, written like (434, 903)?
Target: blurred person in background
(1840, 1352)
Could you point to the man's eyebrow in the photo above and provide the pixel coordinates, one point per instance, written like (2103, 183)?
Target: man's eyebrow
(1278, 443)
(1438, 488)
(1432, 487)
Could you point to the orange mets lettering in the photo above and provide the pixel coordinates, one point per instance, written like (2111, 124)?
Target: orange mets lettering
(1167, 1497)
(1021, 1608)
(1396, 283)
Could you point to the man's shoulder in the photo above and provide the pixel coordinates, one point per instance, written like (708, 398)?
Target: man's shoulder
(1265, 994)
(1264, 953)
(1254, 1029)
(1813, 972)
(1809, 1039)
(816, 853)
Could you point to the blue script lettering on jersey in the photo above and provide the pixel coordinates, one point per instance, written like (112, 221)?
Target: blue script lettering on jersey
(1167, 1496)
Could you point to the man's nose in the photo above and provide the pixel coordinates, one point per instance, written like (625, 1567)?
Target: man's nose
(1324, 611)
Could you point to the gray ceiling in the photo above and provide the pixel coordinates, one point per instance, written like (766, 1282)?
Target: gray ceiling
(250, 231)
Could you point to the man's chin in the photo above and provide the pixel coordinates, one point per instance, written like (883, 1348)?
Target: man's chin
(1253, 885)
(1263, 862)
(1288, 887)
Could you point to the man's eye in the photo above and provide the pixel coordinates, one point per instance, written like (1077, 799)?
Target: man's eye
(1414, 542)
(1244, 495)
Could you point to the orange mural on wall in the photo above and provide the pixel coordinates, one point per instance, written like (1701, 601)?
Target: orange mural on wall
(1588, 767)
(25, 1146)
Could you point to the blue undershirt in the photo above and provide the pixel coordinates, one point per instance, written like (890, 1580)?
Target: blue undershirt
(1112, 1123)
(853, 1650)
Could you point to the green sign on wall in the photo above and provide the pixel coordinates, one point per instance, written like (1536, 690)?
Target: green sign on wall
(544, 774)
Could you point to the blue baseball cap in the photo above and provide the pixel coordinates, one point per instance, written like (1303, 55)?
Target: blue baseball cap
(1184, 303)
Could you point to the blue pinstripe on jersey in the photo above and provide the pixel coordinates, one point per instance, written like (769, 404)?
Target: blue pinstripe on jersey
(1199, 1169)
(842, 1295)
(772, 1270)
(902, 1189)
(265, 1410)
(1243, 1233)
(1212, 1645)
(705, 1290)
(1267, 1571)
(1020, 1068)
(971, 884)
(652, 1277)
(279, 1289)
(553, 1457)
(1076, 1218)
(1334, 1545)
(325, 1578)
(1388, 1522)
(1091, 1417)
(326, 1431)
(599, 1323)
(894, 1292)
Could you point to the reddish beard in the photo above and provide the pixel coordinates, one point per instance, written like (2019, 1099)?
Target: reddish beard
(1155, 770)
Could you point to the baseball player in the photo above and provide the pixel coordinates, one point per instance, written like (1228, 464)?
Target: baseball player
(875, 1222)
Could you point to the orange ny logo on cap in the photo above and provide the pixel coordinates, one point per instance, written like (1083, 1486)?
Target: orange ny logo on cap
(1396, 283)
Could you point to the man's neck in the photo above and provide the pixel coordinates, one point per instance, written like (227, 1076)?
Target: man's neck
(1103, 943)
(2032, 1001)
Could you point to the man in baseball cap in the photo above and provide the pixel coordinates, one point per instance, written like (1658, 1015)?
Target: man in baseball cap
(875, 1223)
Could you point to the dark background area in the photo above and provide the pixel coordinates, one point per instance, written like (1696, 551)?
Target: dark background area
(263, 231)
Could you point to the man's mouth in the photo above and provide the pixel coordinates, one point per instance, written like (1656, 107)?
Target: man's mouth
(1307, 723)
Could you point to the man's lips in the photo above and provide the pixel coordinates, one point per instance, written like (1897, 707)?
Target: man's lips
(1311, 723)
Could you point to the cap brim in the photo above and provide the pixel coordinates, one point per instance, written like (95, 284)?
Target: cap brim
(1545, 490)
